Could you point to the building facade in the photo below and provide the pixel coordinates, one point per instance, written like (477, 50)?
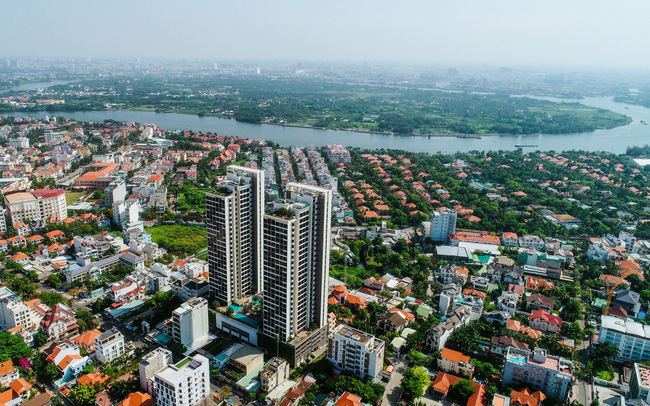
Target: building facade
(190, 323)
(352, 350)
(41, 205)
(152, 363)
(547, 373)
(631, 338)
(296, 261)
(234, 223)
(184, 384)
(443, 224)
(109, 346)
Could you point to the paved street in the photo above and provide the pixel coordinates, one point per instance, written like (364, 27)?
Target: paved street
(393, 390)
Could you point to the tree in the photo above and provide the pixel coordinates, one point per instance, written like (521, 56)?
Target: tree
(82, 395)
(85, 320)
(51, 298)
(572, 311)
(40, 339)
(461, 391)
(414, 381)
(462, 339)
(13, 348)
(416, 357)
(122, 389)
(572, 330)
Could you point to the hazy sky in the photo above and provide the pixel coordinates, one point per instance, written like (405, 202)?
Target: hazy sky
(553, 32)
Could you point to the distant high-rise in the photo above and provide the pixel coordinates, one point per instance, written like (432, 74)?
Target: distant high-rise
(296, 261)
(443, 224)
(234, 222)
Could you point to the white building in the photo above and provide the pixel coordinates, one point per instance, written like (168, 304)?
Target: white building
(443, 224)
(640, 383)
(296, 261)
(531, 241)
(184, 384)
(547, 373)
(234, 223)
(631, 338)
(275, 372)
(151, 364)
(13, 311)
(190, 323)
(41, 205)
(109, 346)
(509, 240)
(360, 353)
(18, 143)
(115, 192)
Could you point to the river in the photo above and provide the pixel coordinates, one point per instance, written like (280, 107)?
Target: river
(613, 140)
(35, 85)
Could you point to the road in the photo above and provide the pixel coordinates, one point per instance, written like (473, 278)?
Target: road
(582, 389)
(393, 389)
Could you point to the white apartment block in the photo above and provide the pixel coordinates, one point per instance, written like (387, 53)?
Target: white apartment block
(184, 384)
(443, 224)
(13, 311)
(190, 323)
(631, 338)
(109, 346)
(360, 353)
(539, 371)
(234, 225)
(18, 143)
(42, 205)
(151, 364)
(296, 261)
(337, 153)
(531, 241)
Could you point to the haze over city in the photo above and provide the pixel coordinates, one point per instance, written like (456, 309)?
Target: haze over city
(582, 33)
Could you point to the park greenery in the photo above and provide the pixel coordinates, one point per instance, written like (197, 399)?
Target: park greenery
(335, 105)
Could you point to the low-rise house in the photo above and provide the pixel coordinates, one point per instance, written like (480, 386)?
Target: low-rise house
(538, 301)
(628, 300)
(60, 322)
(391, 322)
(507, 302)
(456, 363)
(439, 333)
(444, 382)
(86, 340)
(544, 322)
(501, 344)
(515, 325)
(497, 316)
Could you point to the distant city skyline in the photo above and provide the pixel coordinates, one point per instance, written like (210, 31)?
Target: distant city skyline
(503, 32)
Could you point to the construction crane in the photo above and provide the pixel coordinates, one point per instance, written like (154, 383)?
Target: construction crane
(610, 287)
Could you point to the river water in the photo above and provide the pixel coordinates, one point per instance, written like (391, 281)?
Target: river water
(613, 140)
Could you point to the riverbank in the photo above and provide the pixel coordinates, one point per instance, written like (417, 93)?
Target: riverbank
(614, 140)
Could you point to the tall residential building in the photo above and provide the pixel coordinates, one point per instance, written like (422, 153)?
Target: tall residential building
(109, 346)
(184, 384)
(352, 350)
(190, 323)
(631, 338)
(234, 223)
(41, 205)
(151, 364)
(296, 261)
(443, 224)
(547, 373)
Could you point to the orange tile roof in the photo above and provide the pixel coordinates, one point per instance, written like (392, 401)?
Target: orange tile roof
(523, 398)
(6, 367)
(20, 385)
(87, 338)
(138, 399)
(355, 300)
(67, 360)
(454, 355)
(348, 399)
(92, 378)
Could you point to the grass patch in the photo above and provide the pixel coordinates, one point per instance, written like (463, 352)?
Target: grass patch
(183, 362)
(180, 240)
(605, 375)
(71, 197)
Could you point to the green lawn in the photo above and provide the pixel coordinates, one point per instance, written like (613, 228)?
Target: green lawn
(71, 197)
(180, 240)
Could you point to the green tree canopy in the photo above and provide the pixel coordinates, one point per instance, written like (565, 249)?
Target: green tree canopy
(414, 381)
